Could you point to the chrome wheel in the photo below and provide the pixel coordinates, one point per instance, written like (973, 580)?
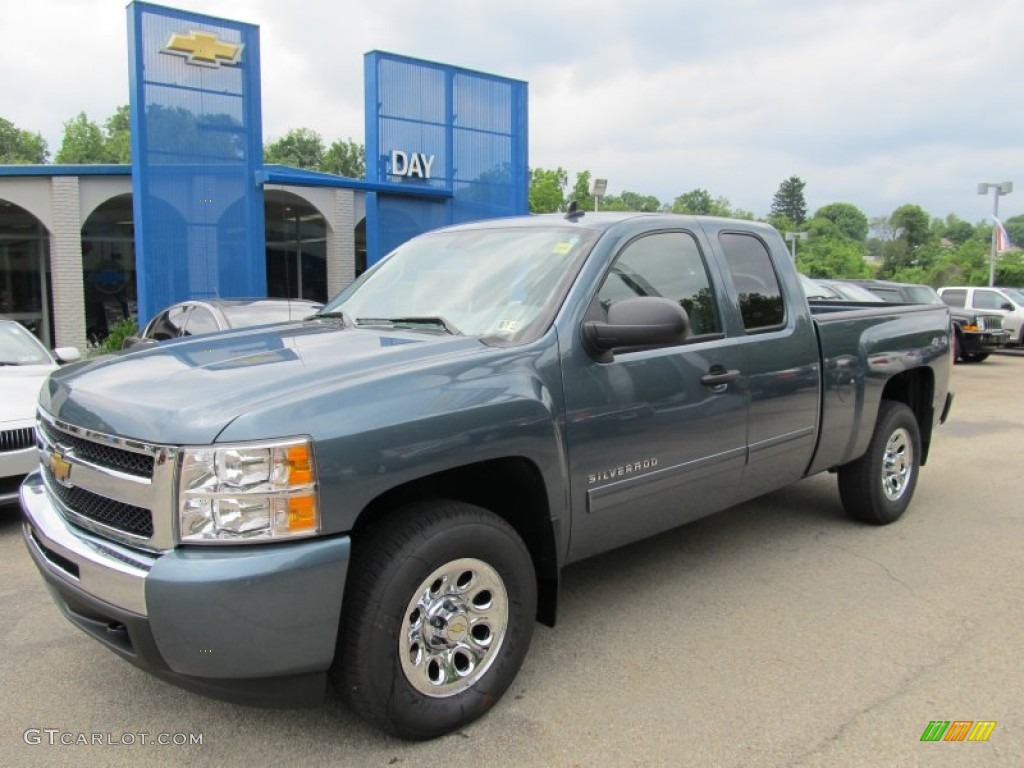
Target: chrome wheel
(897, 464)
(453, 627)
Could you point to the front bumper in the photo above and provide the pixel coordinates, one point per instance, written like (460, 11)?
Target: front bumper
(982, 341)
(253, 624)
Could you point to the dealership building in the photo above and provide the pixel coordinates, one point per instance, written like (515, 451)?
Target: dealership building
(197, 214)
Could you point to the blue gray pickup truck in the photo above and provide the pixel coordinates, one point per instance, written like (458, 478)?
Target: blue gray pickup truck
(385, 494)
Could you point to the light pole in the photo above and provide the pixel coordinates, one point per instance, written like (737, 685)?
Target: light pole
(1002, 188)
(597, 189)
(792, 237)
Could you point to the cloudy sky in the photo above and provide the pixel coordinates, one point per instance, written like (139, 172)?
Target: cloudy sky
(872, 102)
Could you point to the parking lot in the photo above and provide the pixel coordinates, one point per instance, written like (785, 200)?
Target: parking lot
(777, 633)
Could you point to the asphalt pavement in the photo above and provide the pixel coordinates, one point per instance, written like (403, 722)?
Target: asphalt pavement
(778, 633)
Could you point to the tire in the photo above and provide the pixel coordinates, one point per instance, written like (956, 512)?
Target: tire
(877, 487)
(974, 357)
(468, 572)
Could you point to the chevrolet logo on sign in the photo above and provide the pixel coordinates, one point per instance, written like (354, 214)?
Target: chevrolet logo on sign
(60, 467)
(204, 48)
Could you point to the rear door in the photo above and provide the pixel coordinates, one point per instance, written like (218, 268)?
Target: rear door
(780, 360)
(656, 437)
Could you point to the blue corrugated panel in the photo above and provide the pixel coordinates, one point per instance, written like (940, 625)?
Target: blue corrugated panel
(196, 146)
(472, 127)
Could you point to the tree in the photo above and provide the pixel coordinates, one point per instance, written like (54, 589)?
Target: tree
(581, 192)
(547, 190)
(299, 148)
(82, 142)
(18, 147)
(698, 202)
(1015, 229)
(630, 201)
(118, 136)
(789, 200)
(345, 158)
(848, 218)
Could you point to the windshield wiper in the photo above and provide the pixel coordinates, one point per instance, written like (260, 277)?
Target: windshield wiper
(434, 320)
(346, 321)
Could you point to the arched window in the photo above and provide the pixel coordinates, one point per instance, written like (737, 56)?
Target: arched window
(25, 293)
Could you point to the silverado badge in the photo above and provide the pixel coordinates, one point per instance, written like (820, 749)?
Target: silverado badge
(60, 467)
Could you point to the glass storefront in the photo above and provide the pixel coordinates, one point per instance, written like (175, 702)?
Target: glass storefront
(25, 293)
(296, 247)
(108, 267)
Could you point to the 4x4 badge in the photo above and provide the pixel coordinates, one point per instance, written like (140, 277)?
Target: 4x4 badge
(60, 467)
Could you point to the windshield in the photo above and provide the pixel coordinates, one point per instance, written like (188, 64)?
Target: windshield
(19, 347)
(503, 284)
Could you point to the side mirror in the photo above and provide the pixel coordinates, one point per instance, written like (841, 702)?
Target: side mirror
(137, 342)
(646, 321)
(67, 354)
(1007, 306)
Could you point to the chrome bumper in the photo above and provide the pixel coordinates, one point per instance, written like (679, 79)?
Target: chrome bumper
(107, 571)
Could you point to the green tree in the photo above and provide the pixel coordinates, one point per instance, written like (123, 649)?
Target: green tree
(18, 147)
(848, 219)
(1015, 229)
(630, 201)
(82, 143)
(345, 158)
(118, 136)
(547, 190)
(699, 202)
(789, 200)
(299, 148)
(581, 192)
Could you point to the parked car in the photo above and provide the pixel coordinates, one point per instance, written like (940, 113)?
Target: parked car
(24, 365)
(192, 318)
(977, 333)
(1005, 302)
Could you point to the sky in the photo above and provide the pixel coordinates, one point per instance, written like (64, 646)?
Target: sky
(878, 103)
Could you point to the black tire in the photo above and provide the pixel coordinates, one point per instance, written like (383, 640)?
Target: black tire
(974, 357)
(414, 683)
(877, 488)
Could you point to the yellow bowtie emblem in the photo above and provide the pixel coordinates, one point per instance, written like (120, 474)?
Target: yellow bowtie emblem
(204, 48)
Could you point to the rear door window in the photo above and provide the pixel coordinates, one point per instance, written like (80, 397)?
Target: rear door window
(955, 297)
(760, 295)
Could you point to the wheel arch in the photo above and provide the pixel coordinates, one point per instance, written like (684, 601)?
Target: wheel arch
(512, 488)
(916, 389)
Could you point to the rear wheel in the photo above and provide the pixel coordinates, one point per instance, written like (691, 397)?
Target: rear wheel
(877, 487)
(974, 357)
(438, 617)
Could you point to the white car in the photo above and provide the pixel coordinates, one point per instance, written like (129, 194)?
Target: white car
(24, 365)
(1008, 302)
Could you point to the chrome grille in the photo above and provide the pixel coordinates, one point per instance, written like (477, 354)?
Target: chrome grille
(118, 488)
(106, 456)
(128, 518)
(17, 439)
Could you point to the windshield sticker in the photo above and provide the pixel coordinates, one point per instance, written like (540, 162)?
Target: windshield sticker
(565, 246)
(508, 325)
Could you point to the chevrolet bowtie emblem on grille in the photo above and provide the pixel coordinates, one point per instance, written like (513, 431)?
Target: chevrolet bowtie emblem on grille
(60, 467)
(204, 49)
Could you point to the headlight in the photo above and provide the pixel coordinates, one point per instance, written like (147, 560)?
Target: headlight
(248, 492)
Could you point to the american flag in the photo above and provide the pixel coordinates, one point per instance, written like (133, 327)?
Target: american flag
(1002, 239)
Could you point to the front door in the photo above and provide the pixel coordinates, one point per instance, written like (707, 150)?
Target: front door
(656, 437)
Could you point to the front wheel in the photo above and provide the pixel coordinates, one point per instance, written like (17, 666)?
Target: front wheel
(438, 617)
(877, 487)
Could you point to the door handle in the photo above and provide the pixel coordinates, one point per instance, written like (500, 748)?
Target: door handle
(718, 376)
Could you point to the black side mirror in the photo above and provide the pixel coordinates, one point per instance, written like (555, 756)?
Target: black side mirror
(1007, 306)
(646, 321)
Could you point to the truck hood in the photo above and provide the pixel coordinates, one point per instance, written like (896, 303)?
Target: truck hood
(186, 391)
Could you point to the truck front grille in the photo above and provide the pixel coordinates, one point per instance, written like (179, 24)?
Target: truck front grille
(117, 488)
(130, 519)
(16, 439)
(106, 456)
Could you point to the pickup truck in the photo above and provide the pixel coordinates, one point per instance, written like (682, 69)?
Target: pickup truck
(976, 332)
(384, 494)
